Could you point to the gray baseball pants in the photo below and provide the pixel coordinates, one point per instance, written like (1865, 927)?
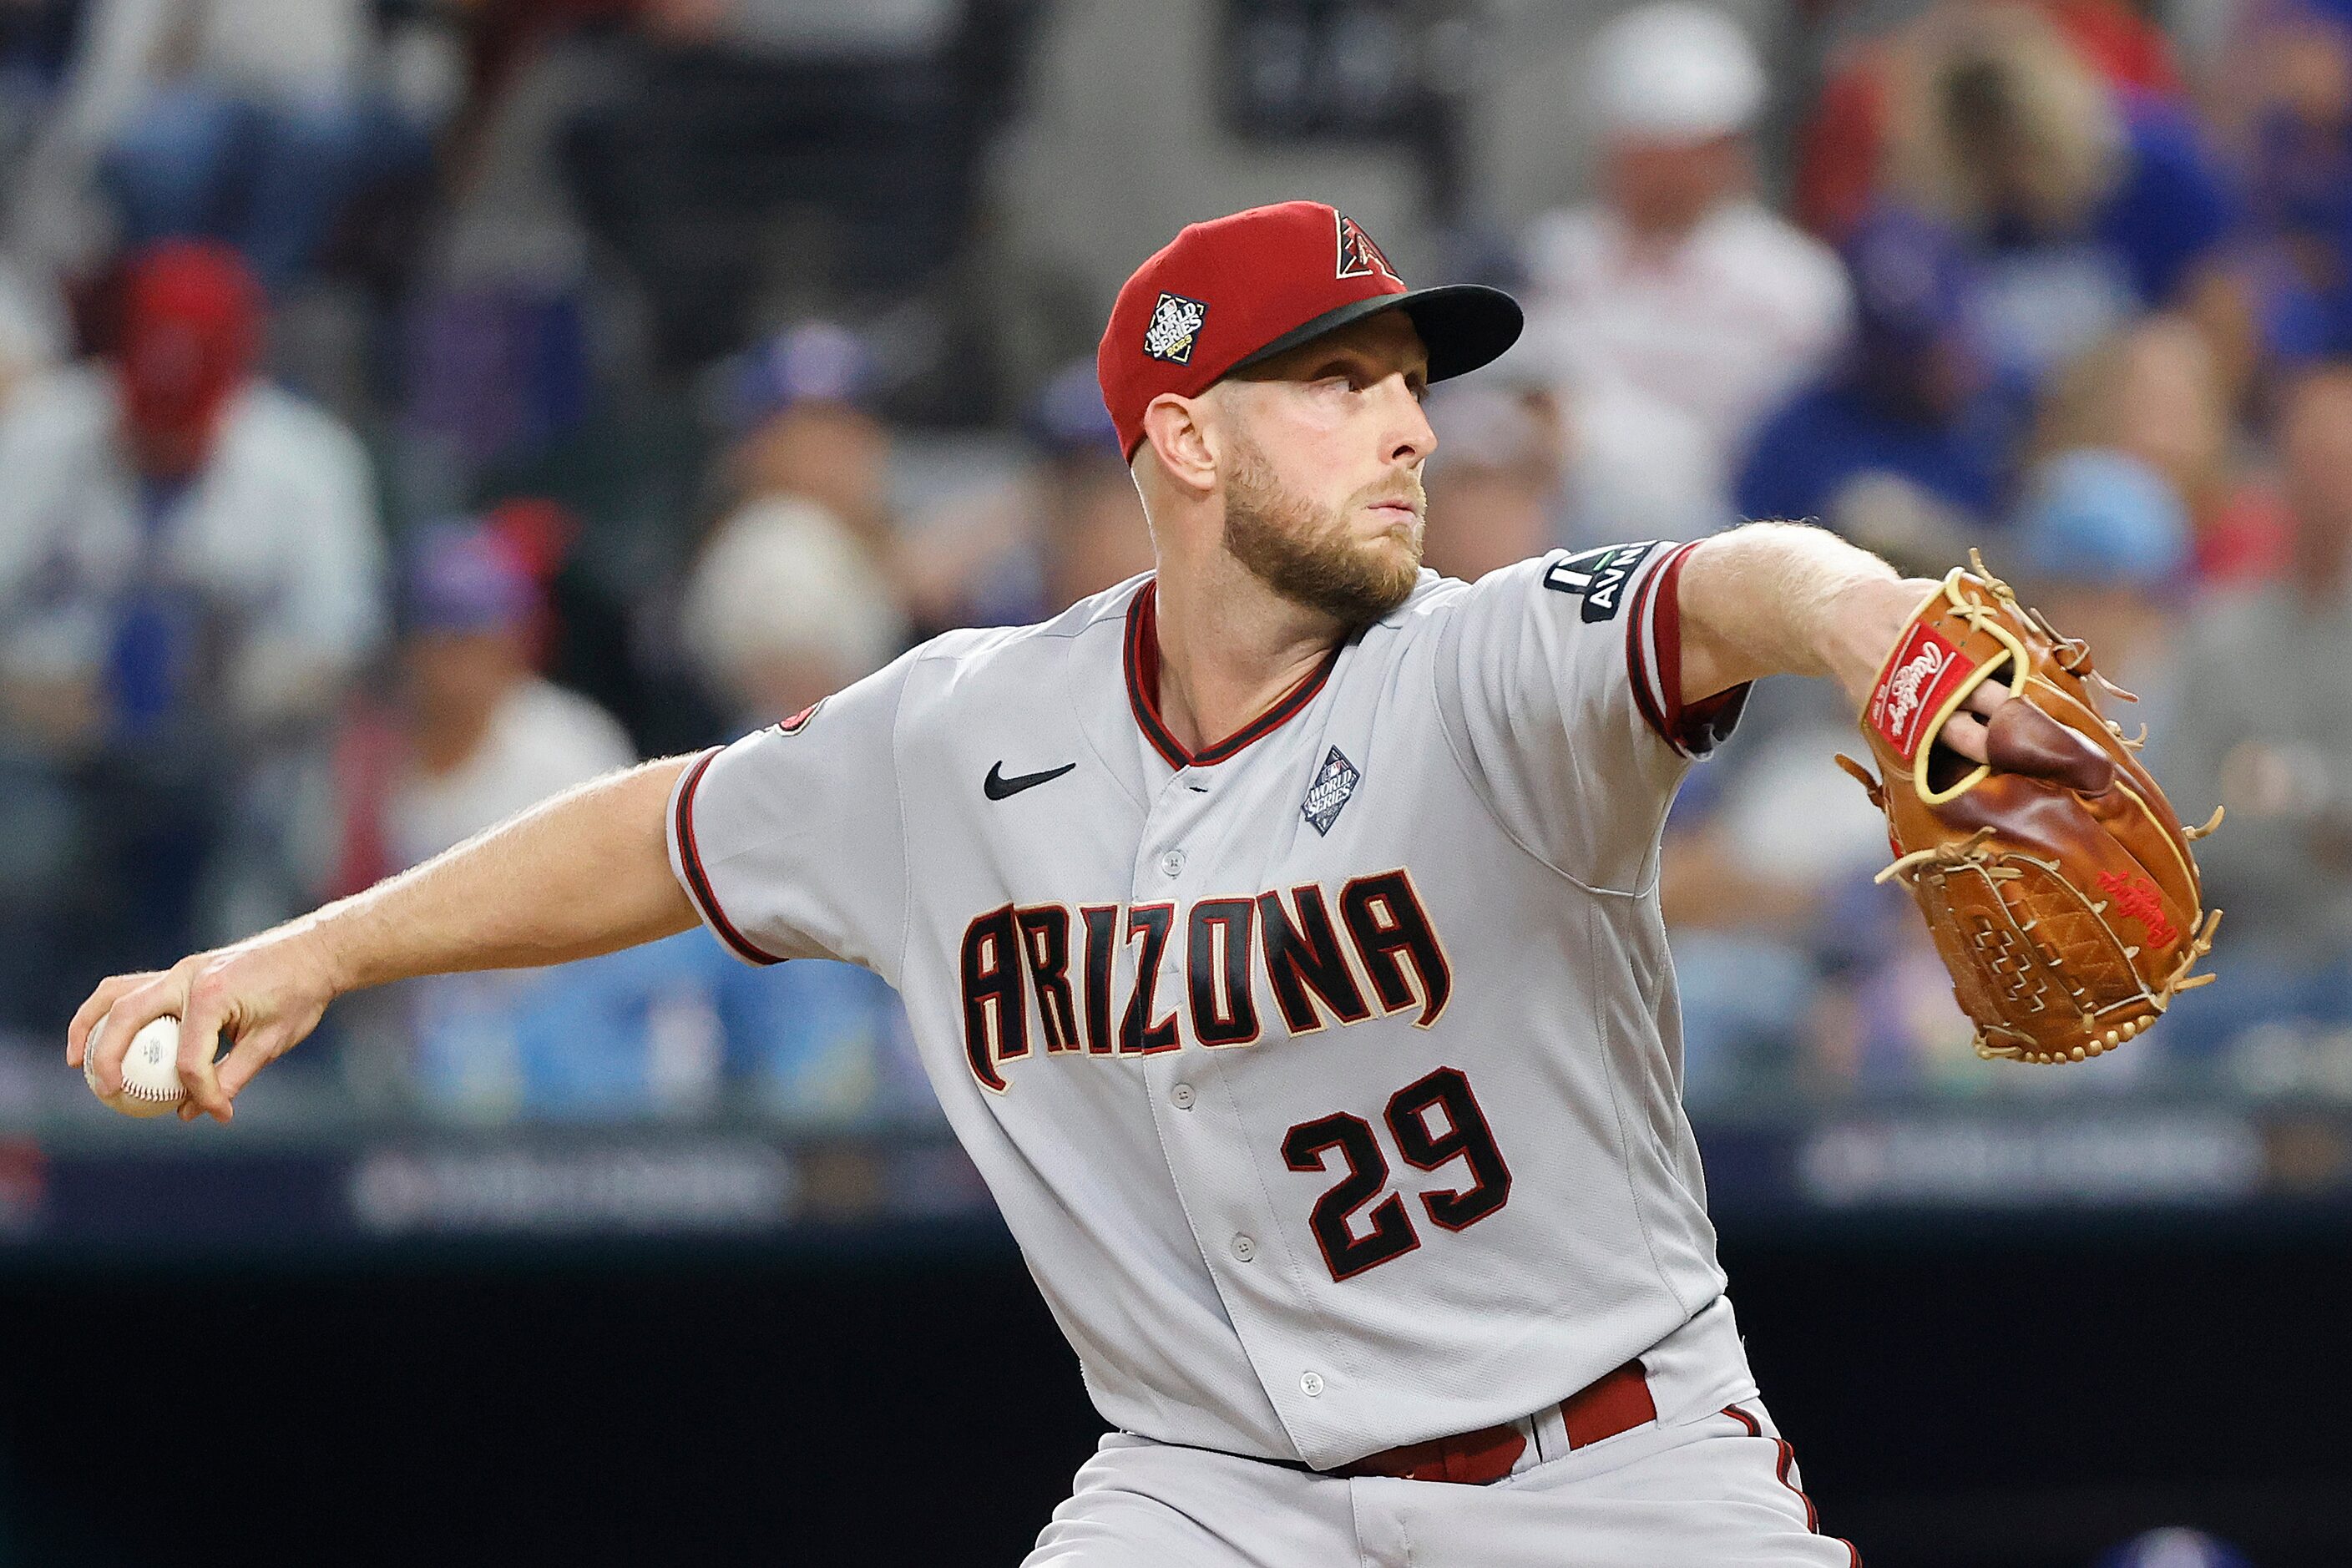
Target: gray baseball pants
(1709, 1484)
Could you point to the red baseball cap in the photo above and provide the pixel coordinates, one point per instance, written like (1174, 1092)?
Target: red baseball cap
(191, 335)
(1225, 294)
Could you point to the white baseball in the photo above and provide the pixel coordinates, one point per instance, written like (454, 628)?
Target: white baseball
(151, 1071)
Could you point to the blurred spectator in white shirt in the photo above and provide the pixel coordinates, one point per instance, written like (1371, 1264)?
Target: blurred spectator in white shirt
(189, 576)
(183, 547)
(1676, 309)
(478, 736)
(487, 736)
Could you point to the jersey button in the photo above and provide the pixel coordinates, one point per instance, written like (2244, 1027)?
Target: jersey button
(1172, 863)
(1180, 1097)
(1245, 1249)
(1310, 1384)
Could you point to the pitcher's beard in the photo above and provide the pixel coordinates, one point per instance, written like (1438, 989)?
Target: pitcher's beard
(1307, 554)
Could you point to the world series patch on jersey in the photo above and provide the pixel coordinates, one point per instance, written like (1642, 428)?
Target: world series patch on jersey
(1329, 1075)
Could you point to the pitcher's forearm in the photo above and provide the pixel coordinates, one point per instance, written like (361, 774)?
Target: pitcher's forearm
(583, 873)
(1773, 598)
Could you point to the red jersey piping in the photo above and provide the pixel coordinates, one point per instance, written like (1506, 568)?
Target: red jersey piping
(1143, 660)
(698, 881)
(1783, 1466)
(1695, 729)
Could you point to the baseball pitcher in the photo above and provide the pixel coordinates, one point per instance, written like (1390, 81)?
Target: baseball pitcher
(1281, 934)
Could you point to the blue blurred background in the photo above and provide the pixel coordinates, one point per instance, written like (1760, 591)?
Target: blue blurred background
(409, 408)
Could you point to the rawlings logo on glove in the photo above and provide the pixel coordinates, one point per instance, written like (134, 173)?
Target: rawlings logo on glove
(2035, 868)
(1923, 672)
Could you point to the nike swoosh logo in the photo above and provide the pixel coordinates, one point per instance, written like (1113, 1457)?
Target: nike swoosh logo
(999, 787)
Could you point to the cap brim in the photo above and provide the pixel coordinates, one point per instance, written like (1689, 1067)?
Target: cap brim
(1463, 326)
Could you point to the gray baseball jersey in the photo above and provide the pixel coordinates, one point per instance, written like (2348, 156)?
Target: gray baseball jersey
(1328, 1076)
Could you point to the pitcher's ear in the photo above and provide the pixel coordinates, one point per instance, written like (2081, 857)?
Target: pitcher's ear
(1176, 430)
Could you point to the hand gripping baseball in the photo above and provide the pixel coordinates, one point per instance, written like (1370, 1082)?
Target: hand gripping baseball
(2056, 880)
(260, 997)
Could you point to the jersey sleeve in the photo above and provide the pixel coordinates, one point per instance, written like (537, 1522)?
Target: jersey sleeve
(790, 841)
(1560, 683)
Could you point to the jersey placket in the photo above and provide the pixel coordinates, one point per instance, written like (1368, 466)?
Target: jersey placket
(1202, 1135)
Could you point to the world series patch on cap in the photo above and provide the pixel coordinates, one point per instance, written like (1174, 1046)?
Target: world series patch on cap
(1225, 294)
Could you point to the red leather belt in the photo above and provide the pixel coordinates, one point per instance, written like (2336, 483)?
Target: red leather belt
(1618, 1402)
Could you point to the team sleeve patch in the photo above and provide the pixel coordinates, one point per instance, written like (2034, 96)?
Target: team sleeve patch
(1598, 577)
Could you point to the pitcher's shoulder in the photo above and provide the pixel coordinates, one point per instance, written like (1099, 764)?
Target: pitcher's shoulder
(1437, 601)
(1433, 597)
(984, 661)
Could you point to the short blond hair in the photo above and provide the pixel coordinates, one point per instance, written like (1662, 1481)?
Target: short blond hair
(2007, 65)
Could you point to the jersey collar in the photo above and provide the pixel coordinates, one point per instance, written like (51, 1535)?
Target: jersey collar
(1142, 661)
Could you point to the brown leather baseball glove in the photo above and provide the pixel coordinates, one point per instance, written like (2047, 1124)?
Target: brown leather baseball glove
(2057, 882)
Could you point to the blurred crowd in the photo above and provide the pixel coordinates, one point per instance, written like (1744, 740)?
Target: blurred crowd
(2049, 281)
(409, 408)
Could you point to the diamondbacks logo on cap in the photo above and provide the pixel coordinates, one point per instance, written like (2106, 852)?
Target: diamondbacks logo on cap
(1359, 256)
(1334, 781)
(1175, 328)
